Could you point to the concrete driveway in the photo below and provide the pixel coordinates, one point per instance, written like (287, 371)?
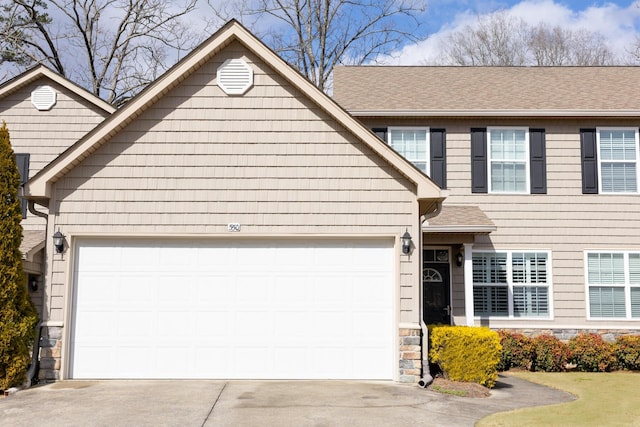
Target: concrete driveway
(260, 403)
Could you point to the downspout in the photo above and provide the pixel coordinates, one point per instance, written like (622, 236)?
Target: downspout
(426, 372)
(33, 368)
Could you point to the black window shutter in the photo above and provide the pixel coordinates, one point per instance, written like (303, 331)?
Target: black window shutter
(479, 160)
(538, 161)
(589, 153)
(381, 133)
(22, 161)
(438, 151)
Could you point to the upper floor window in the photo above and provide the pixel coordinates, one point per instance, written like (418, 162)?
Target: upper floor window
(618, 154)
(613, 284)
(508, 160)
(511, 284)
(425, 147)
(609, 160)
(413, 144)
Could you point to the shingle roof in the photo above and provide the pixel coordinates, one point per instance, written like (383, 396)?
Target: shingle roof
(459, 219)
(476, 90)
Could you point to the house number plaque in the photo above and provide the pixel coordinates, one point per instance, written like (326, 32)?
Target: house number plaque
(233, 226)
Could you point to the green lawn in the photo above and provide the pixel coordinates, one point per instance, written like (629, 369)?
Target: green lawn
(604, 399)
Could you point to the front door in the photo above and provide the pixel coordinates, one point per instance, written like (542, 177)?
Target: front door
(436, 285)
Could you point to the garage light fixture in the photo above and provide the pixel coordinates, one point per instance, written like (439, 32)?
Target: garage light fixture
(58, 241)
(406, 242)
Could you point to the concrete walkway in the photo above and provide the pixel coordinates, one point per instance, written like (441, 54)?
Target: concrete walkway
(260, 403)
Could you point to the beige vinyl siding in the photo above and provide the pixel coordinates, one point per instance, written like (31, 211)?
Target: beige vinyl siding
(45, 134)
(270, 160)
(563, 221)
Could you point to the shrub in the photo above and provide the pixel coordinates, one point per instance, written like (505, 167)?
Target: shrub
(591, 353)
(465, 353)
(517, 350)
(627, 351)
(550, 354)
(17, 314)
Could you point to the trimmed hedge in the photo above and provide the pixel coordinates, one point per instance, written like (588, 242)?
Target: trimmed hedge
(627, 351)
(588, 352)
(550, 354)
(466, 353)
(517, 351)
(591, 353)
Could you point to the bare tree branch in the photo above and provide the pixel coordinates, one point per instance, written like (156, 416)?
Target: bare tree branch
(500, 39)
(316, 35)
(113, 47)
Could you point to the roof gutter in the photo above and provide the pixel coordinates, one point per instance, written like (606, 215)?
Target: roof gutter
(427, 378)
(33, 367)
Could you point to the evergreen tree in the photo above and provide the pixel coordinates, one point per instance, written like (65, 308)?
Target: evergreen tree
(17, 314)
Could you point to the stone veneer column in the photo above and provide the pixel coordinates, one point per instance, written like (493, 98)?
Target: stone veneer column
(50, 346)
(410, 355)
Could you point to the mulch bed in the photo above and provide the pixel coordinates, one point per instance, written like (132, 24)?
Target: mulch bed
(445, 386)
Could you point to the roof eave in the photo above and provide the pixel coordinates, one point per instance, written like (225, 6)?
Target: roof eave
(40, 71)
(494, 113)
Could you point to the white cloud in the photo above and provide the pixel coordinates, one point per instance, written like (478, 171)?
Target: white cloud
(619, 25)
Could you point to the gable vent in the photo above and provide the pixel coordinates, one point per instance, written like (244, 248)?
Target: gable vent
(234, 77)
(43, 98)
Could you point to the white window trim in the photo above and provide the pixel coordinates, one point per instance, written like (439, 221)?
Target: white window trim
(527, 159)
(510, 283)
(635, 130)
(427, 142)
(626, 285)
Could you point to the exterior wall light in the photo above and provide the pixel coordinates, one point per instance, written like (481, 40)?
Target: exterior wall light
(58, 241)
(459, 259)
(33, 283)
(406, 242)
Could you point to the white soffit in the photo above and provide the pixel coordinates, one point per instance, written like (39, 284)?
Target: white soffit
(235, 77)
(43, 98)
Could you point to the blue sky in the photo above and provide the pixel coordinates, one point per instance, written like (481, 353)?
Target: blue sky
(617, 20)
(442, 12)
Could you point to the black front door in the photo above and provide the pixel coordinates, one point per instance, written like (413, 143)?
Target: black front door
(436, 286)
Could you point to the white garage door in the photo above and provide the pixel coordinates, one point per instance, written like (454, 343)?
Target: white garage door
(264, 310)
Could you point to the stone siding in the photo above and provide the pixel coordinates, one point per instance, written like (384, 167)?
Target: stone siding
(410, 355)
(50, 348)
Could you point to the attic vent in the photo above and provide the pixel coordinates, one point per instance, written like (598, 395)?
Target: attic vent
(43, 98)
(235, 77)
